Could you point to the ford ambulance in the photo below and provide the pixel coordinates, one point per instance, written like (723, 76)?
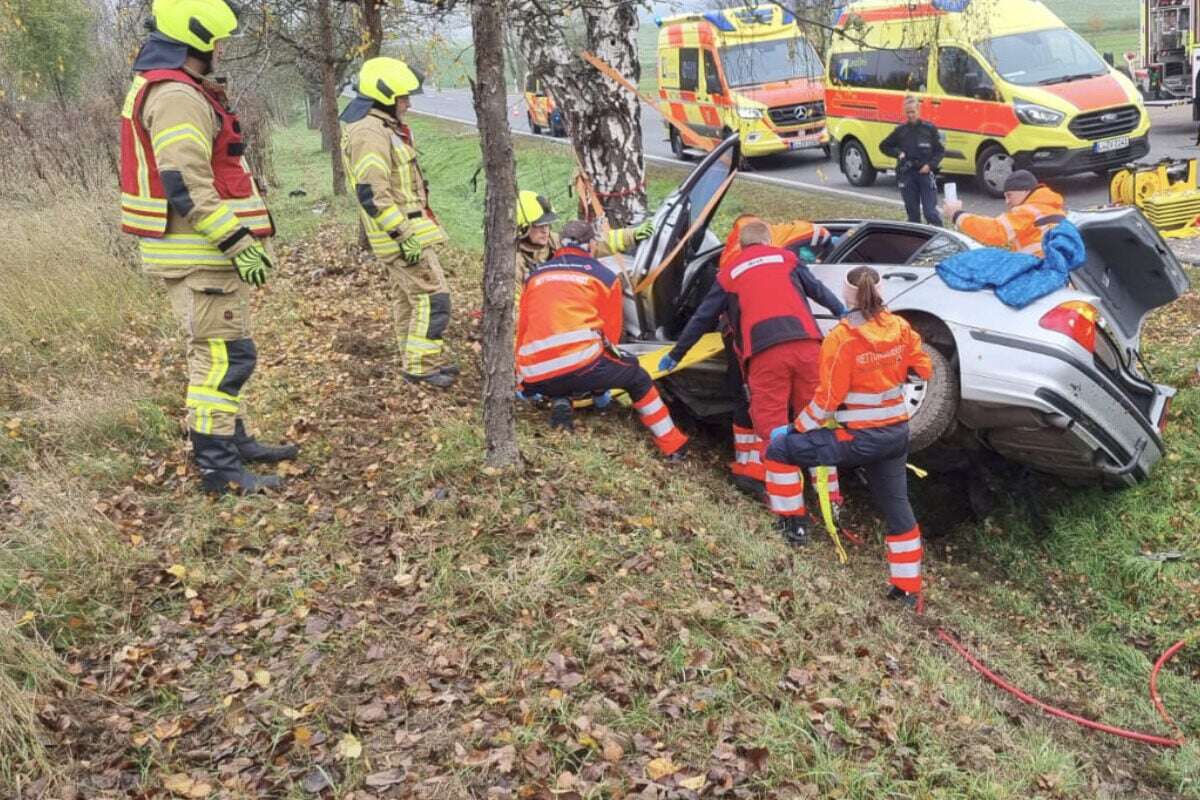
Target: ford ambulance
(1006, 82)
(748, 71)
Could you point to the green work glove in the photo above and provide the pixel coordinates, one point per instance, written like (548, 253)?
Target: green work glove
(410, 249)
(643, 231)
(253, 265)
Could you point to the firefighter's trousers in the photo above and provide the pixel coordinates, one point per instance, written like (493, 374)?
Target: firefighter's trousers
(421, 307)
(213, 309)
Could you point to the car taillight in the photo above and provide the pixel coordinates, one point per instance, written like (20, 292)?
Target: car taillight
(1076, 319)
(1162, 421)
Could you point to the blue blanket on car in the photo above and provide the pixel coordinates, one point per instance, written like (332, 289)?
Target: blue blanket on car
(1018, 278)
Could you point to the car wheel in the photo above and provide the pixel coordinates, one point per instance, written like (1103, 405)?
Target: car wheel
(856, 164)
(677, 145)
(533, 126)
(932, 404)
(992, 169)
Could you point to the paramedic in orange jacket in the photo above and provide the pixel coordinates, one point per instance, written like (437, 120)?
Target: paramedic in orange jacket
(1033, 211)
(865, 362)
(569, 318)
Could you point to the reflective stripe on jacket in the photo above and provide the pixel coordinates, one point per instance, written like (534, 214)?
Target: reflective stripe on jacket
(767, 305)
(1019, 229)
(570, 310)
(864, 365)
(383, 174)
(186, 189)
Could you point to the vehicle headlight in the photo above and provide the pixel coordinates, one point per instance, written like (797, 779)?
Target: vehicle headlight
(746, 112)
(1033, 114)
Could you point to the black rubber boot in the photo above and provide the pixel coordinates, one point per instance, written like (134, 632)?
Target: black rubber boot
(901, 596)
(794, 530)
(438, 379)
(222, 470)
(679, 455)
(749, 486)
(250, 449)
(561, 414)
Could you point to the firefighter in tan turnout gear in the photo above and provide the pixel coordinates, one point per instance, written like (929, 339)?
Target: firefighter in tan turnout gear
(537, 244)
(188, 195)
(382, 170)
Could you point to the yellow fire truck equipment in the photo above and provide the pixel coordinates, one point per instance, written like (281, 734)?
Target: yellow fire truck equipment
(1165, 192)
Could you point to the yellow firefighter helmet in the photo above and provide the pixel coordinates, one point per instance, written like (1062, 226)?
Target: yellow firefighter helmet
(384, 79)
(197, 23)
(533, 209)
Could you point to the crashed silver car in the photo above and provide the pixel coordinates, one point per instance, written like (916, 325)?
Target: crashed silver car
(1059, 385)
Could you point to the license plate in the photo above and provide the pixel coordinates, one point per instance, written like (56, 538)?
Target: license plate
(1109, 145)
(803, 142)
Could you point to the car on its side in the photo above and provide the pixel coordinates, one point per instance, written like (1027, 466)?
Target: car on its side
(1059, 386)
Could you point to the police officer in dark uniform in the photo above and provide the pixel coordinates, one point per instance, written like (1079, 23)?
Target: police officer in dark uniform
(918, 150)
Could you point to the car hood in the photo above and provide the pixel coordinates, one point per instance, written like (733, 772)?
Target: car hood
(1129, 266)
(800, 90)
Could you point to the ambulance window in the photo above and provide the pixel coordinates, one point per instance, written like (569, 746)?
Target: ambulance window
(962, 75)
(853, 69)
(689, 69)
(902, 70)
(712, 78)
(531, 84)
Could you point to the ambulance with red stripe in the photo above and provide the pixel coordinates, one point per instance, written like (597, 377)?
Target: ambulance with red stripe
(748, 71)
(1005, 81)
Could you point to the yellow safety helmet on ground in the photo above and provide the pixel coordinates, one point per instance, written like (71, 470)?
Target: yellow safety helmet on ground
(384, 79)
(197, 23)
(533, 209)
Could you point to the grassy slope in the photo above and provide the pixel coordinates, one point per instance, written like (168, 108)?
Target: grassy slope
(587, 622)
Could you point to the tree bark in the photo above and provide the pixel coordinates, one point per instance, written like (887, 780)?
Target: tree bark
(372, 12)
(329, 107)
(312, 107)
(495, 142)
(603, 119)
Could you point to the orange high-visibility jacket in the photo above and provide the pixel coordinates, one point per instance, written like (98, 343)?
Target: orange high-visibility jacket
(788, 235)
(1019, 229)
(864, 365)
(570, 310)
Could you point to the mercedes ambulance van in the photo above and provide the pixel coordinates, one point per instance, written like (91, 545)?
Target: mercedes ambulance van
(743, 70)
(1007, 83)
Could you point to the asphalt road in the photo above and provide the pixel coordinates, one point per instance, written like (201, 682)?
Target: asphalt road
(1173, 134)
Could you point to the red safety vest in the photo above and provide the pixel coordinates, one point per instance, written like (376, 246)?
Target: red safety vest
(767, 306)
(144, 203)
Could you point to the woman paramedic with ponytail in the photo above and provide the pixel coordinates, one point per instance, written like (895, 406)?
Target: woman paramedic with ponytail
(865, 362)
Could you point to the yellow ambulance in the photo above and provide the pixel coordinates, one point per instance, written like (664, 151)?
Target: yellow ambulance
(744, 70)
(1005, 81)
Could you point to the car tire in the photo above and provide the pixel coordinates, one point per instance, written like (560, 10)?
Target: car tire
(933, 405)
(856, 164)
(992, 168)
(677, 145)
(533, 126)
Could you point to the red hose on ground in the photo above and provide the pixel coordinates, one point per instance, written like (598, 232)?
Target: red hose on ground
(1137, 736)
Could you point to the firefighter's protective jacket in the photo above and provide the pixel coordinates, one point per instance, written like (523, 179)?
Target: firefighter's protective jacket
(186, 189)
(864, 365)
(382, 172)
(1019, 229)
(570, 311)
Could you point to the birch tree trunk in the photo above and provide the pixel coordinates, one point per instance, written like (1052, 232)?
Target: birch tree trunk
(495, 142)
(603, 119)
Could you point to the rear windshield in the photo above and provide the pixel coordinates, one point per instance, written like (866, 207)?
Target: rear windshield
(1044, 57)
(767, 62)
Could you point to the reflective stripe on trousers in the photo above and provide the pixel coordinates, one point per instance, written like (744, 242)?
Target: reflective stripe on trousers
(904, 552)
(785, 489)
(657, 417)
(747, 454)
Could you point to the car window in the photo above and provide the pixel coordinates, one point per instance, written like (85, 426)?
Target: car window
(689, 69)
(936, 250)
(531, 84)
(903, 69)
(884, 247)
(712, 78)
(962, 75)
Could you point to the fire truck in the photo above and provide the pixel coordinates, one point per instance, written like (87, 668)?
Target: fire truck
(1168, 67)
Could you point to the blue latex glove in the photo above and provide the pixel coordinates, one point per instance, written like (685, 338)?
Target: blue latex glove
(528, 397)
(836, 240)
(666, 363)
(780, 432)
(602, 401)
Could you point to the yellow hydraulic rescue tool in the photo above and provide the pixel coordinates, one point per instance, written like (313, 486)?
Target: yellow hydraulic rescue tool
(1166, 193)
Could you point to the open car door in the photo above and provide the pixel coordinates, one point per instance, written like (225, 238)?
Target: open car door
(657, 273)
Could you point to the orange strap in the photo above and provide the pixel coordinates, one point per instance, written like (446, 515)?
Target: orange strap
(690, 137)
(701, 218)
